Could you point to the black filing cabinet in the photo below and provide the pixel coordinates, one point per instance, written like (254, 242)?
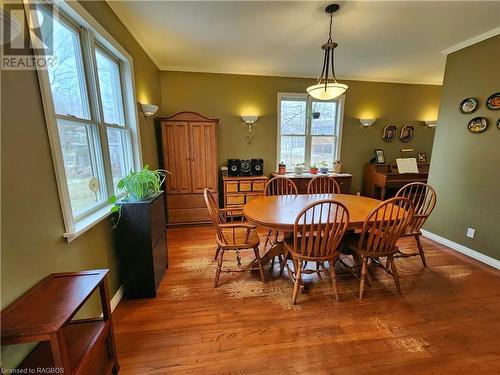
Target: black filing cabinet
(141, 244)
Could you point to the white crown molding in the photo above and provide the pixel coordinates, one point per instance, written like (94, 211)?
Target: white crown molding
(128, 25)
(471, 41)
(169, 68)
(462, 249)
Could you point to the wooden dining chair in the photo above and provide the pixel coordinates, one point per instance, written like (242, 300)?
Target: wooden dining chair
(423, 197)
(323, 185)
(278, 185)
(233, 237)
(317, 235)
(381, 230)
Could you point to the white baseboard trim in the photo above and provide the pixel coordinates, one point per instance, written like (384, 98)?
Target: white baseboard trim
(462, 249)
(116, 298)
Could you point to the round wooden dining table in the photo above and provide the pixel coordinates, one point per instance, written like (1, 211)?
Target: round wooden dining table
(280, 211)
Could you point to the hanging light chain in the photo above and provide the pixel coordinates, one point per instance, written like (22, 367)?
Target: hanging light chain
(328, 47)
(327, 87)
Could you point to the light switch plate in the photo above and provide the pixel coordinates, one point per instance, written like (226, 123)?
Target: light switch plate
(471, 232)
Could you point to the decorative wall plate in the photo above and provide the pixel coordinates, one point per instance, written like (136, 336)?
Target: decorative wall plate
(493, 102)
(478, 125)
(389, 133)
(468, 105)
(406, 134)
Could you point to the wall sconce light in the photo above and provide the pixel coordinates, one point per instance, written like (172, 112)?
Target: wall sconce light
(431, 123)
(149, 109)
(249, 120)
(366, 122)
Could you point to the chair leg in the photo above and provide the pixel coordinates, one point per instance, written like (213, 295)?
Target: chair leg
(395, 274)
(283, 264)
(296, 285)
(219, 267)
(334, 281)
(261, 270)
(217, 252)
(267, 238)
(363, 276)
(421, 250)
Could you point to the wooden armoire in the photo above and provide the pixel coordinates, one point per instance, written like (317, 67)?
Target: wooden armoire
(189, 150)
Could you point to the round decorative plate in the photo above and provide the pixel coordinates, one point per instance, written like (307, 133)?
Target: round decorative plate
(493, 101)
(468, 105)
(478, 125)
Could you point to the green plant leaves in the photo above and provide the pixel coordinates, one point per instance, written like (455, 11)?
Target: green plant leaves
(144, 184)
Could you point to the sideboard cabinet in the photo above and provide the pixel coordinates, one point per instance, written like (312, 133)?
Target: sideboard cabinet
(302, 180)
(189, 152)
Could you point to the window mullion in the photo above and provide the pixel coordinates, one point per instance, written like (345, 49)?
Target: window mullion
(308, 132)
(97, 113)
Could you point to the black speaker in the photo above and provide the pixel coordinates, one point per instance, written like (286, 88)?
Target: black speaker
(257, 167)
(245, 167)
(233, 167)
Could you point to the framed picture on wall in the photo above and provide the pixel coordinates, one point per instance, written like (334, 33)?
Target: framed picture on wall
(421, 157)
(406, 134)
(389, 133)
(379, 156)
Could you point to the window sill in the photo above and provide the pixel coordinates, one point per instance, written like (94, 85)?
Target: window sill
(88, 222)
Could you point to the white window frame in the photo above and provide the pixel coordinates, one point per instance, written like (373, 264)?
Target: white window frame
(93, 34)
(339, 124)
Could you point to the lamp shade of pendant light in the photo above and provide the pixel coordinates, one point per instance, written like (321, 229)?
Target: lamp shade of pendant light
(327, 87)
(331, 91)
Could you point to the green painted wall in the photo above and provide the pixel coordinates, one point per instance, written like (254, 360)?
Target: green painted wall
(32, 223)
(465, 169)
(226, 97)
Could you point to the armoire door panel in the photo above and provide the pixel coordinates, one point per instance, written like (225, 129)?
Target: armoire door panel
(203, 153)
(190, 153)
(211, 157)
(176, 156)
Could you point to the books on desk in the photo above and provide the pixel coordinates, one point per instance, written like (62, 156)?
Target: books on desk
(407, 165)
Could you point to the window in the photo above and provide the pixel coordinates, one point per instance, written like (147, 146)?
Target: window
(90, 110)
(309, 131)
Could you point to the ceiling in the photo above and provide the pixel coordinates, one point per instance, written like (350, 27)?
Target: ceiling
(398, 41)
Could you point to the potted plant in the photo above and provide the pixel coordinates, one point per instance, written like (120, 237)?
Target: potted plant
(299, 168)
(323, 167)
(138, 186)
(313, 169)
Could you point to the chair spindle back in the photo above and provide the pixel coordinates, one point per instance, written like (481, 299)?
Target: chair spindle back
(319, 228)
(215, 214)
(423, 197)
(280, 186)
(384, 225)
(323, 185)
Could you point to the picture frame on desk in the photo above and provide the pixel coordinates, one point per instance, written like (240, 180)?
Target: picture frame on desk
(379, 156)
(421, 157)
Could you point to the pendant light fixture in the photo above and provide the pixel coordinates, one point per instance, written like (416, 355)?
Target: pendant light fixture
(327, 87)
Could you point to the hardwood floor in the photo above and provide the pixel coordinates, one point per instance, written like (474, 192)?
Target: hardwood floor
(447, 321)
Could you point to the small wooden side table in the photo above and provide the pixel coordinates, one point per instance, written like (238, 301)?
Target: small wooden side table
(45, 314)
